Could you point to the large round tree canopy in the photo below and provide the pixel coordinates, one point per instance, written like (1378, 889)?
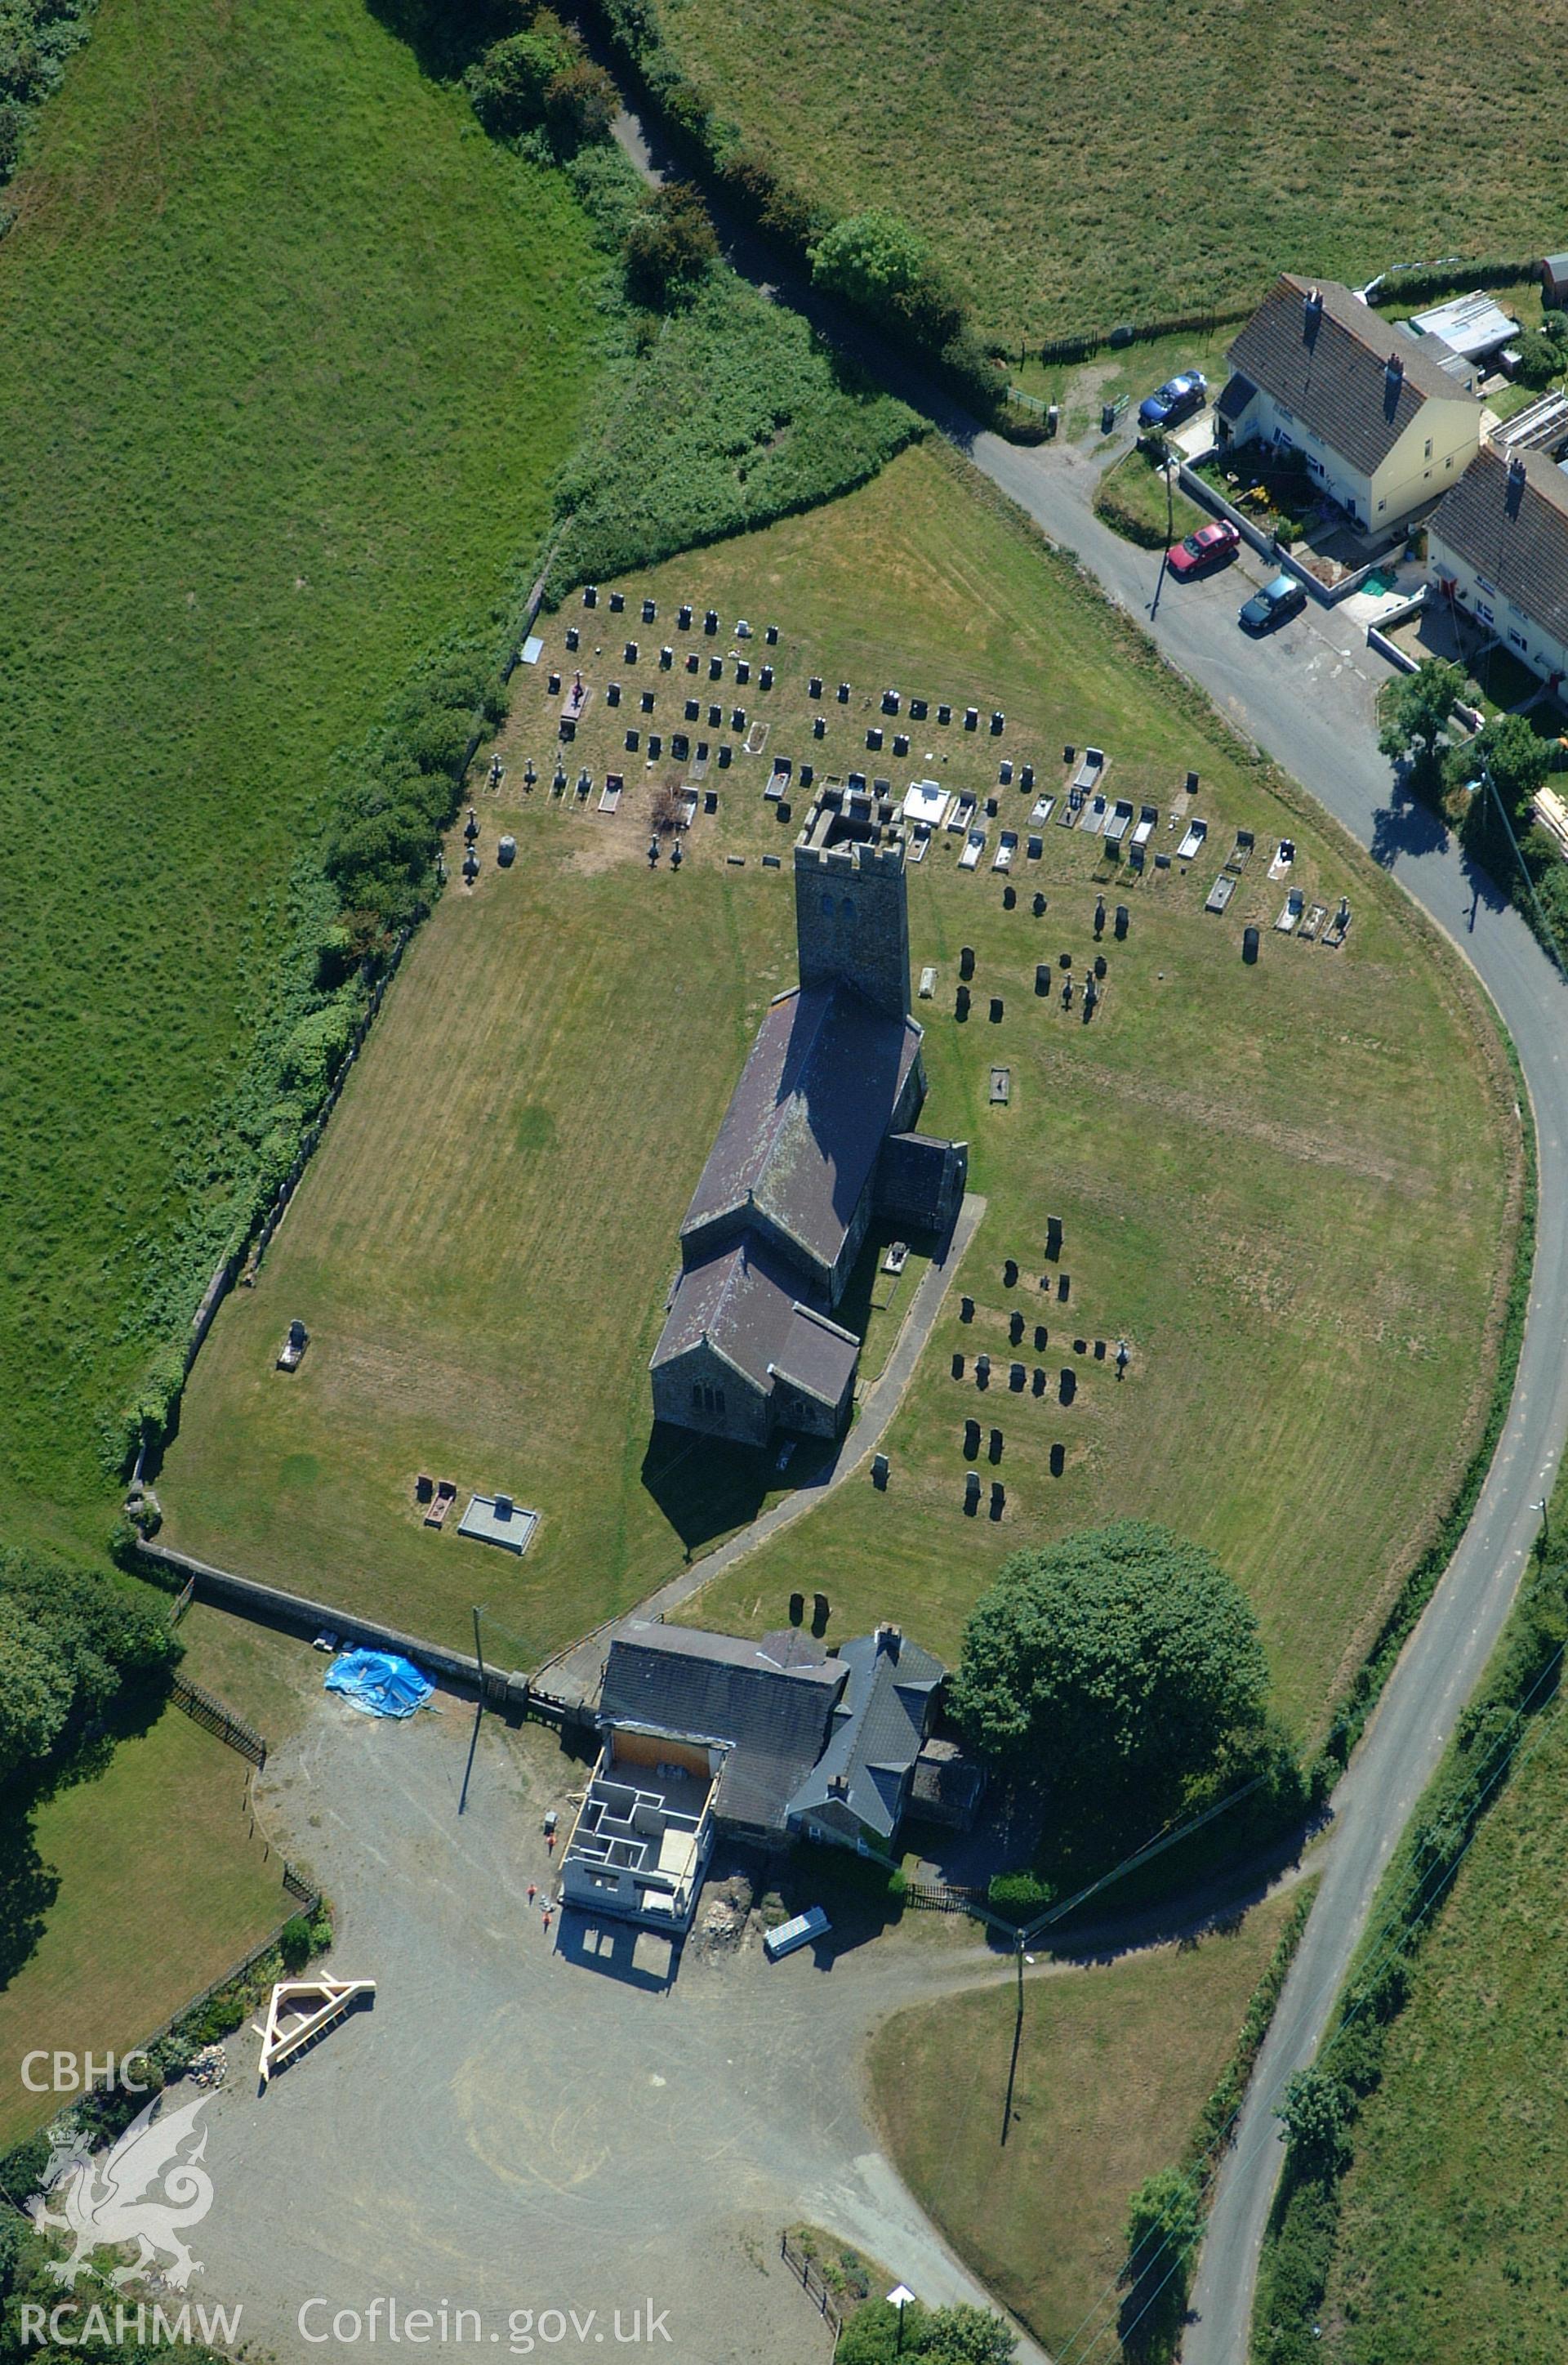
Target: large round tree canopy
(1118, 1656)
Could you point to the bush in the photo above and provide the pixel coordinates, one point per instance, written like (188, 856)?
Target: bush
(1541, 358)
(580, 104)
(295, 1944)
(876, 262)
(507, 87)
(1019, 1895)
(669, 246)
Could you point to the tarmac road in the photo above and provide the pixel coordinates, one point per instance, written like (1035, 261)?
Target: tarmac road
(1306, 696)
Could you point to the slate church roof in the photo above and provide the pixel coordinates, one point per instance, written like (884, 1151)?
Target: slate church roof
(801, 1136)
(756, 1313)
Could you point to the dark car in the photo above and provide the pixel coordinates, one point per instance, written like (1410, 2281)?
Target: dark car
(1282, 598)
(1175, 400)
(1210, 547)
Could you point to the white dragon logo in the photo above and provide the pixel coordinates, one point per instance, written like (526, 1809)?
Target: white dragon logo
(142, 2191)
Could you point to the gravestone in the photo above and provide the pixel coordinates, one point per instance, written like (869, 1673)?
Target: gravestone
(983, 1371)
(692, 661)
(1057, 1460)
(617, 602)
(1038, 1382)
(573, 637)
(631, 653)
(998, 1498)
(590, 594)
(1017, 1378)
(1099, 964)
(808, 774)
(918, 710)
(553, 685)
(649, 612)
(994, 1446)
(890, 701)
(1026, 778)
(943, 714)
(814, 687)
(1053, 1236)
(1064, 960)
(1010, 1273)
(1099, 917)
(1066, 1385)
(737, 718)
(693, 709)
(797, 1600)
(715, 718)
(633, 740)
(1249, 945)
(711, 623)
(1042, 1337)
(1015, 1325)
(990, 808)
(683, 617)
(765, 679)
(679, 746)
(966, 960)
(874, 738)
(771, 636)
(726, 755)
(819, 725)
(996, 1009)
(901, 743)
(648, 701)
(971, 1438)
(957, 1365)
(966, 1310)
(1004, 772)
(711, 801)
(1122, 916)
(971, 1491)
(1064, 1287)
(1191, 784)
(1036, 846)
(1042, 977)
(880, 1472)
(843, 694)
(654, 744)
(971, 718)
(666, 658)
(1009, 898)
(998, 722)
(743, 670)
(715, 668)
(961, 1005)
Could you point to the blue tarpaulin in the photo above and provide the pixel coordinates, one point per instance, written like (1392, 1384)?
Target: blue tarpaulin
(379, 1682)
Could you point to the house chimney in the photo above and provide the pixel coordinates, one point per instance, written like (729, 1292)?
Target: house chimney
(838, 1786)
(1313, 308)
(1395, 368)
(889, 1639)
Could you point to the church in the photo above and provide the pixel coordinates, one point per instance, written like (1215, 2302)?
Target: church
(817, 1139)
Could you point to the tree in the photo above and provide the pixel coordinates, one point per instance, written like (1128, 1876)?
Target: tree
(508, 85)
(1507, 748)
(1316, 2116)
(1543, 357)
(669, 246)
(876, 261)
(1416, 711)
(35, 1689)
(1115, 1663)
(580, 104)
(1164, 2220)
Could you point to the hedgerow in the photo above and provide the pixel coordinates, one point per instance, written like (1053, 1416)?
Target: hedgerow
(35, 39)
(1521, 1685)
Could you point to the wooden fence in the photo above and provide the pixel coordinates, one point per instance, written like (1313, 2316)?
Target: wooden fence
(213, 1717)
(937, 1897)
(811, 2283)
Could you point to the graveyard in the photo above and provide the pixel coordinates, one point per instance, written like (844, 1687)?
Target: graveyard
(1233, 1205)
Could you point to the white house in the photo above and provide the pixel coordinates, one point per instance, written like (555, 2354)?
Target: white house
(1497, 545)
(1384, 427)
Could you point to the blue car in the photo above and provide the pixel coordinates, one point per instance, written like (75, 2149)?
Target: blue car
(1175, 400)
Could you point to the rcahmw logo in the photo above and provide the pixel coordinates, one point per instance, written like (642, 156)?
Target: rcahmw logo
(65, 2325)
(147, 2189)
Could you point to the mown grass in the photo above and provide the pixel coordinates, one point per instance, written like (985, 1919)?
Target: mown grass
(1078, 165)
(288, 352)
(1287, 1186)
(160, 1842)
(1113, 2065)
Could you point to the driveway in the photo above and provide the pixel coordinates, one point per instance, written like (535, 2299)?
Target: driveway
(522, 2125)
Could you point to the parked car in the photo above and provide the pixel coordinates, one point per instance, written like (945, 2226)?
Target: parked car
(1282, 598)
(1210, 547)
(1175, 400)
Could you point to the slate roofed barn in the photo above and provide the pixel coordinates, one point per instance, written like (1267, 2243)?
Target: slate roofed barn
(1497, 547)
(1381, 424)
(815, 1142)
(767, 1704)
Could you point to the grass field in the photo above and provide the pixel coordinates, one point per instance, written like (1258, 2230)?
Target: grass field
(1287, 1186)
(287, 351)
(160, 1840)
(1451, 2242)
(1075, 167)
(1114, 2064)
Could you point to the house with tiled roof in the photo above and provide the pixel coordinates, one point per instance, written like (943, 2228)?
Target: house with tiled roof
(816, 1140)
(1384, 420)
(1497, 548)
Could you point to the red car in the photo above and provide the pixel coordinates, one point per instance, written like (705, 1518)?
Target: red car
(1210, 547)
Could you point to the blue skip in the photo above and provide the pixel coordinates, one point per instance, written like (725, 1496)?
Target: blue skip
(379, 1682)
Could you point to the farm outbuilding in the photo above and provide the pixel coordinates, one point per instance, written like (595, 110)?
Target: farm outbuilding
(1554, 281)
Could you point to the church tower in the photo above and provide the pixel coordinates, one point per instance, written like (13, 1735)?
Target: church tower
(852, 900)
